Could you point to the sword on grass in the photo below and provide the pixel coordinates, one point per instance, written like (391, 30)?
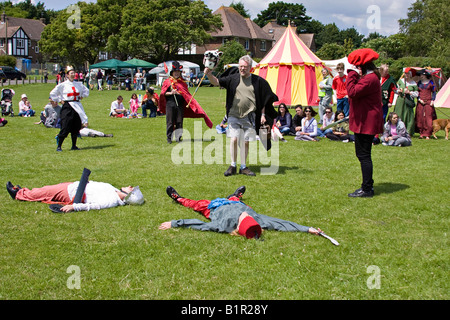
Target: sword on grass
(322, 234)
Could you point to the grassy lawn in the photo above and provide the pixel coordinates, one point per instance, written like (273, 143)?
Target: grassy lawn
(399, 237)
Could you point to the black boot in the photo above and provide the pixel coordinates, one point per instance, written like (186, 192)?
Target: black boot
(171, 192)
(238, 193)
(12, 190)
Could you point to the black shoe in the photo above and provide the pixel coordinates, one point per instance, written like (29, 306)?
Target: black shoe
(12, 190)
(171, 192)
(59, 149)
(74, 148)
(230, 171)
(247, 172)
(360, 193)
(238, 193)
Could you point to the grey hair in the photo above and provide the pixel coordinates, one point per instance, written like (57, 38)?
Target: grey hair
(247, 59)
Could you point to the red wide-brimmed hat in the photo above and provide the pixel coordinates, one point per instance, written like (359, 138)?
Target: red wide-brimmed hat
(362, 56)
(413, 71)
(249, 228)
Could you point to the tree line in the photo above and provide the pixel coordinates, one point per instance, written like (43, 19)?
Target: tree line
(156, 29)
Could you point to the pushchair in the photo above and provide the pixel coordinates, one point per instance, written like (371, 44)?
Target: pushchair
(6, 102)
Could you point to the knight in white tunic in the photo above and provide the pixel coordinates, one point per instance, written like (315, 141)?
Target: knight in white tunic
(73, 116)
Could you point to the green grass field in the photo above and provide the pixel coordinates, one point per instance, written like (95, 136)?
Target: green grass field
(399, 237)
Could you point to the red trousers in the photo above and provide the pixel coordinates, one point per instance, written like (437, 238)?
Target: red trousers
(200, 206)
(47, 194)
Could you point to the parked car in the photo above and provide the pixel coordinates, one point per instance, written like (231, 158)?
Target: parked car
(205, 81)
(12, 73)
(3, 77)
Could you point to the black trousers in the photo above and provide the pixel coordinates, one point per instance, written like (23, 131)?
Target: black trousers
(174, 120)
(70, 123)
(363, 149)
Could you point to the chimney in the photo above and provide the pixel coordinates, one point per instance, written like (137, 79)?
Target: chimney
(3, 17)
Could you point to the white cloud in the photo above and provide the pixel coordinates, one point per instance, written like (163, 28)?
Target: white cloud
(344, 13)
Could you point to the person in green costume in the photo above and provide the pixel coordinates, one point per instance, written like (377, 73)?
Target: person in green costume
(406, 93)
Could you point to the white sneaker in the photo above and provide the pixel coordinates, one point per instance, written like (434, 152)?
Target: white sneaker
(345, 141)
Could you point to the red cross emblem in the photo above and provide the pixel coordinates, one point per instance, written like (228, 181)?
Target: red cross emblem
(74, 94)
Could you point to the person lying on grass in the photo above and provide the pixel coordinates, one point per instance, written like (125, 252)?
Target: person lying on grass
(97, 195)
(230, 215)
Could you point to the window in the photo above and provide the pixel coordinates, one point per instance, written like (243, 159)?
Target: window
(263, 45)
(2, 43)
(20, 43)
(36, 49)
(247, 44)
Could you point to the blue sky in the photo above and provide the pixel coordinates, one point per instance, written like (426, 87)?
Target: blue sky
(365, 15)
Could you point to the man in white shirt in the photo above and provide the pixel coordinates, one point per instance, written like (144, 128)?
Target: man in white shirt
(117, 108)
(73, 117)
(97, 195)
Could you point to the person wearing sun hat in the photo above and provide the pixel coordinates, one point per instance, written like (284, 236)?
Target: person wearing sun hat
(407, 91)
(425, 112)
(230, 215)
(366, 113)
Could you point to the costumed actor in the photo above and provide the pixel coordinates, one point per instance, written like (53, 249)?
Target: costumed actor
(174, 97)
(249, 105)
(366, 112)
(73, 116)
(230, 215)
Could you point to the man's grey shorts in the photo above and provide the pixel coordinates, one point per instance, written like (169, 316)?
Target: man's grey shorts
(242, 127)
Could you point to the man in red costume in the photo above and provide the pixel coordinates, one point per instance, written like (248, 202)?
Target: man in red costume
(366, 113)
(174, 100)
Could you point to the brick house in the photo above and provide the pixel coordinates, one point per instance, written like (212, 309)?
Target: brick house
(235, 27)
(22, 37)
(276, 31)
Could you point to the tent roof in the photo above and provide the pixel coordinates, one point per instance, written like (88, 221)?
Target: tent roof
(112, 64)
(141, 63)
(290, 50)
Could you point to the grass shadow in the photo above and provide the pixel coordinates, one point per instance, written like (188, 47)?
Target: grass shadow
(389, 187)
(99, 147)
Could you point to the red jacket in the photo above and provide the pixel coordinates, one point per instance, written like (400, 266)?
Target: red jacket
(366, 113)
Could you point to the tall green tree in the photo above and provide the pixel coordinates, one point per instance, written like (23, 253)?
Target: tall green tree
(158, 28)
(427, 28)
(69, 43)
(282, 13)
(27, 9)
(239, 7)
(232, 51)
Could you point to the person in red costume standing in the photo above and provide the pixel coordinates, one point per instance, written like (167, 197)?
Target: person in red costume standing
(366, 113)
(425, 112)
(177, 103)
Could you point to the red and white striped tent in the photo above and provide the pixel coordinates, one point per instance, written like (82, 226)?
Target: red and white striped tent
(443, 96)
(292, 70)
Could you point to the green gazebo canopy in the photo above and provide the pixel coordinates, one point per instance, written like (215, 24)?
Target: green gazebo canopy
(141, 63)
(112, 64)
